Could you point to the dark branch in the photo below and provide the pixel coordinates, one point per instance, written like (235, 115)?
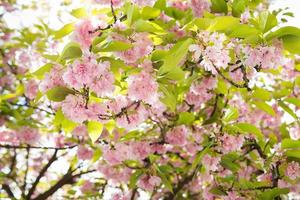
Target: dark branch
(41, 174)
(7, 146)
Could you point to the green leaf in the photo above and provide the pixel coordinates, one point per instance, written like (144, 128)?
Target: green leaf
(131, 135)
(218, 190)
(272, 193)
(238, 7)
(287, 109)
(223, 23)
(261, 94)
(243, 31)
(249, 128)
(203, 23)
(170, 98)
(150, 13)
(293, 153)
(222, 87)
(228, 161)
(290, 144)
(42, 70)
(58, 93)
(291, 43)
(79, 12)
(231, 114)
(71, 50)
(200, 155)
(170, 68)
(164, 178)
(94, 129)
(132, 14)
(293, 100)
(160, 4)
(219, 6)
(186, 118)
(283, 31)
(97, 155)
(147, 26)
(266, 21)
(65, 30)
(134, 178)
(264, 107)
(115, 46)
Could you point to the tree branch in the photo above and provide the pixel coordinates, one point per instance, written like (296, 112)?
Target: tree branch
(41, 174)
(7, 189)
(7, 146)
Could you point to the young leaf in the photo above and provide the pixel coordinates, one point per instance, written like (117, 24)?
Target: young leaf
(264, 107)
(58, 93)
(134, 178)
(94, 130)
(71, 50)
(65, 30)
(290, 144)
(164, 178)
(231, 114)
(219, 6)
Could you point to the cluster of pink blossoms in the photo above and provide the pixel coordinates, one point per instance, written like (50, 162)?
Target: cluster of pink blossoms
(75, 108)
(88, 73)
(212, 52)
(200, 6)
(143, 87)
(148, 183)
(293, 170)
(201, 92)
(52, 79)
(127, 151)
(31, 89)
(24, 135)
(231, 143)
(177, 136)
(267, 57)
(142, 46)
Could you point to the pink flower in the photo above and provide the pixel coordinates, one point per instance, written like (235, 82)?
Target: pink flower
(211, 163)
(200, 92)
(102, 83)
(135, 115)
(82, 35)
(143, 87)
(245, 16)
(8, 137)
(28, 135)
(147, 182)
(199, 6)
(231, 143)
(74, 108)
(80, 131)
(116, 3)
(181, 5)
(87, 186)
(141, 150)
(293, 170)
(117, 175)
(232, 196)
(143, 3)
(295, 133)
(214, 57)
(177, 136)
(142, 46)
(84, 153)
(81, 73)
(52, 79)
(31, 89)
